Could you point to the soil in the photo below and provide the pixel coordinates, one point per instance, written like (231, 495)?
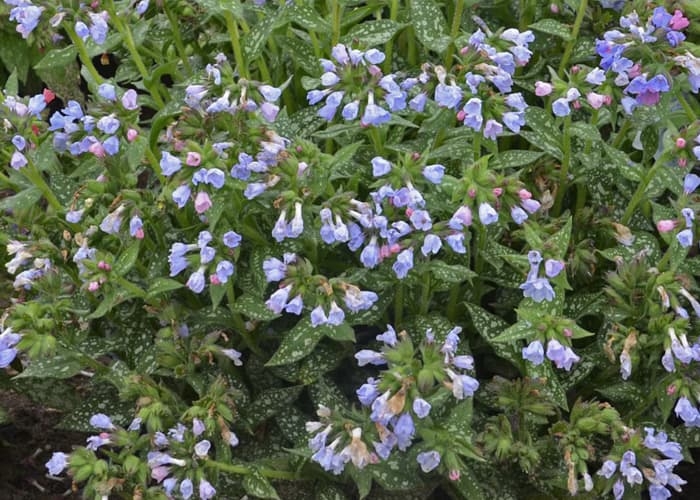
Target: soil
(26, 444)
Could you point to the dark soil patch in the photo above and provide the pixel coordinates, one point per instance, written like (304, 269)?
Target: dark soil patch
(26, 444)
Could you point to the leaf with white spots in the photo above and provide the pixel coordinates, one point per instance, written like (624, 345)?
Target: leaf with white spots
(297, 343)
(258, 486)
(268, 404)
(429, 24)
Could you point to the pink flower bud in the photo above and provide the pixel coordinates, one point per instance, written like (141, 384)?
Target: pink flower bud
(471, 193)
(454, 475)
(93, 286)
(635, 71)
(139, 234)
(464, 50)
(680, 143)
(374, 70)
(595, 100)
(299, 149)
(202, 202)
(567, 332)
(178, 145)
(395, 248)
(666, 225)
(554, 8)
(97, 149)
(497, 192)
(104, 266)
(193, 159)
(671, 390)
(461, 115)
(577, 104)
(683, 162)
(415, 156)
(575, 69)
(607, 100)
(678, 22)
(543, 88)
(214, 279)
(524, 194)
(132, 134)
(409, 212)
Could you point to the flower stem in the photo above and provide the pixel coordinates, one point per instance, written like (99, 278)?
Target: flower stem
(232, 27)
(425, 294)
(239, 324)
(32, 173)
(83, 53)
(389, 46)
(641, 189)
(128, 40)
(565, 163)
(244, 470)
(454, 31)
(177, 37)
(480, 249)
(398, 305)
(580, 14)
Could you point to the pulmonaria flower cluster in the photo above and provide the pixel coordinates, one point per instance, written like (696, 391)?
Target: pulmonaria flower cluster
(298, 287)
(539, 288)
(487, 60)
(206, 259)
(25, 14)
(353, 84)
(77, 132)
(24, 255)
(97, 30)
(653, 459)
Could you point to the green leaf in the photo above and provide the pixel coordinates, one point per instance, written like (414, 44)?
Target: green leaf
(552, 27)
(127, 258)
(429, 25)
(254, 308)
(258, 486)
(59, 366)
(585, 131)
(552, 386)
(297, 343)
(101, 398)
(450, 273)
(162, 285)
(489, 327)
(514, 158)
(399, 472)
(558, 243)
(57, 58)
(255, 39)
(25, 199)
(340, 333)
(544, 133)
(327, 491)
(309, 19)
(373, 33)
(270, 403)
(520, 330)
(625, 392)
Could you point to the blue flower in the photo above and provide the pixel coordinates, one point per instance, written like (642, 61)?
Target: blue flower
(534, 352)
(169, 164)
(196, 281)
(538, 289)
(421, 407)
(431, 244)
(428, 460)
(404, 263)
(374, 115)
(562, 356)
(560, 107)
(318, 316)
(434, 173)
(487, 214)
(57, 463)
(295, 306)
(448, 96)
(380, 166)
(278, 300)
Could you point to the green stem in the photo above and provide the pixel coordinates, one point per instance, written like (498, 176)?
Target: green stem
(690, 113)
(398, 305)
(316, 45)
(128, 40)
(32, 173)
(621, 134)
(177, 37)
(425, 294)
(244, 470)
(476, 146)
(412, 48)
(454, 31)
(452, 302)
(376, 140)
(83, 53)
(565, 163)
(389, 46)
(239, 324)
(336, 22)
(641, 190)
(480, 250)
(580, 14)
(232, 27)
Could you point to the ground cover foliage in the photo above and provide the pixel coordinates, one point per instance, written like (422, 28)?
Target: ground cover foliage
(355, 249)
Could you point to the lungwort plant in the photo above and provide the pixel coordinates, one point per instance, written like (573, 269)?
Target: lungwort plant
(356, 249)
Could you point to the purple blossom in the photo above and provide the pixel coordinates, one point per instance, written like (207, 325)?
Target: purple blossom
(196, 281)
(562, 356)
(169, 164)
(57, 463)
(487, 214)
(421, 407)
(687, 412)
(428, 460)
(404, 263)
(534, 352)
(278, 300)
(434, 173)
